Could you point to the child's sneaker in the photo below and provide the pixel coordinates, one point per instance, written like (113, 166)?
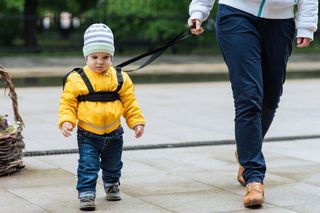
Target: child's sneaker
(87, 203)
(113, 192)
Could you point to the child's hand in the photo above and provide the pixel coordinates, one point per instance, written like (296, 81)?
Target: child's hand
(138, 130)
(66, 129)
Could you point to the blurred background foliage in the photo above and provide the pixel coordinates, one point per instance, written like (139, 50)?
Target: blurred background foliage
(53, 27)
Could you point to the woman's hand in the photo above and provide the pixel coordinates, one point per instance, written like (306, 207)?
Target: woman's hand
(303, 42)
(195, 26)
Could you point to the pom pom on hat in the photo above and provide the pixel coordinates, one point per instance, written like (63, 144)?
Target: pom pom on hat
(98, 38)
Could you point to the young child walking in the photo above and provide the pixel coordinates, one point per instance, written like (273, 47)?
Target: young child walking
(93, 99)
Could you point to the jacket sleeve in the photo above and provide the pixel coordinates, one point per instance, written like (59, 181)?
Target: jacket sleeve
(68, 103)
(200, 9)
(306, 18)
(132, 111)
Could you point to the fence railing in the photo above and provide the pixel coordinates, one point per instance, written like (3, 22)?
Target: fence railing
(52, 36)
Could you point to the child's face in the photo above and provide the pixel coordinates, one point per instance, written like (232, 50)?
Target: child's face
(99, 61)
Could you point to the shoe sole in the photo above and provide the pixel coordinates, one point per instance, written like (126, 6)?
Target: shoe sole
(88, 208)
(113, 198)
(254, 203)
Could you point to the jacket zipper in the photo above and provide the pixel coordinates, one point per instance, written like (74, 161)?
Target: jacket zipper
(261, 7)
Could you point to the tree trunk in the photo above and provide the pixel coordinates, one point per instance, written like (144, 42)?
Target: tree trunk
(30, 24)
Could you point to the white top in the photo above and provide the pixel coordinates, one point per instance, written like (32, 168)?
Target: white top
(306, 17)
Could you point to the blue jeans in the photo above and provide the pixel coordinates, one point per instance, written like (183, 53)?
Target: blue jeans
(95, 152)
(256, 51)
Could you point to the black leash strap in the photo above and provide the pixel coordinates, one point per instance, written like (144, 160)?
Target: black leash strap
(155, 53)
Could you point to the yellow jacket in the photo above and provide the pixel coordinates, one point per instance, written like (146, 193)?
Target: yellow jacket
(99, 117)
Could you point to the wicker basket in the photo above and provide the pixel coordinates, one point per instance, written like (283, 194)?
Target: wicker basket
(11, 144)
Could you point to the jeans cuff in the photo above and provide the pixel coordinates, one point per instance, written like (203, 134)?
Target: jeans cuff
(111, 184)
(87, 194)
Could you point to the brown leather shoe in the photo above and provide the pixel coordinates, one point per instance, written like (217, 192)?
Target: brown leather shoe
(240, 172)
(240, 177)
(254, 195)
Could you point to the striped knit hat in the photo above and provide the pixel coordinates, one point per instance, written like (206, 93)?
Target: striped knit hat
(98, 38)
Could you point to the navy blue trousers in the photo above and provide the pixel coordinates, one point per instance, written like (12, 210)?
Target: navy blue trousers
(256, 51)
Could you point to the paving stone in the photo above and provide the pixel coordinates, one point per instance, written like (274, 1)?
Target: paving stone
(37, 177)
(297, 173)
(161, 184)
(292, 194)
(265, 210)
(312, 206)
(12, 203)
(200, 201)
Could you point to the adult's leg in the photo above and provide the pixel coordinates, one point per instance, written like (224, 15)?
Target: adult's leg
(240, 43)
(277, 46)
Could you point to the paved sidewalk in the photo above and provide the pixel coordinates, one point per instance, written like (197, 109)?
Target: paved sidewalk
(182, 180)
(194, 179)
(175, 113)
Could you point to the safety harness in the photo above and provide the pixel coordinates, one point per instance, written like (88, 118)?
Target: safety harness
(105, 96)
(102, 96)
